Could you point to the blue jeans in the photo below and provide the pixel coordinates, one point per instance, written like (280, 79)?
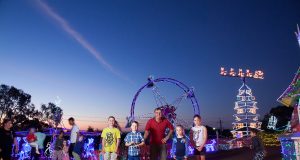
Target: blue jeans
(133, 157)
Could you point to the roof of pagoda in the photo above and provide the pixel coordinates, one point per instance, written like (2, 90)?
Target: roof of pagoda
(289, 96)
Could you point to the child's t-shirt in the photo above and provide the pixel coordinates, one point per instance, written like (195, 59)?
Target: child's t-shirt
(110, 136)
(198, 135)
(31, 137)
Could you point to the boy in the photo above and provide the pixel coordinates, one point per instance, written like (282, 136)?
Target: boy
(78, 148)
(134, 140)
(257, 145)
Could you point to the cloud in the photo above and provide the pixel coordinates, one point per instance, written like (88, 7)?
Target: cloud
(78, 37)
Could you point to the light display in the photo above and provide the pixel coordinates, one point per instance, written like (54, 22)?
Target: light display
(290, 143)
(272, 123)
(298, 34)
(258, 74)
(245, 106)
(168, 109)
(246, 115)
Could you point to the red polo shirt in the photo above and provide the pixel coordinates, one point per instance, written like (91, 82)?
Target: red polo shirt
(157, 129)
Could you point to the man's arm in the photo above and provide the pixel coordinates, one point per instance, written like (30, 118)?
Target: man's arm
(146, 134)
(168, 136)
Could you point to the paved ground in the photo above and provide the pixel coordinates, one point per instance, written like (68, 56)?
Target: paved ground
(273, 153)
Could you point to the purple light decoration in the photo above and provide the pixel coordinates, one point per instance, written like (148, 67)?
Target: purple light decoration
(151, 82)
(298, 34)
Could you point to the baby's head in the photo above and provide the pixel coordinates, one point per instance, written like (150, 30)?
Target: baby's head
(65, 143)
(32, 130)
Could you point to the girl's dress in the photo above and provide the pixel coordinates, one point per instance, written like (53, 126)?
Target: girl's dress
(66, 153)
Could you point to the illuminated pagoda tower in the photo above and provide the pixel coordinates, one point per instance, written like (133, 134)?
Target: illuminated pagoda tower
(245, 107)
(246, 115)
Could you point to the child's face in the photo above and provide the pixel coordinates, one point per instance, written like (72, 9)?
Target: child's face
(252, 134)
(32, 130)
(134, 127)
(65, 143)
(197, 121)
(61, 135)
(179, 131)
(111, 122)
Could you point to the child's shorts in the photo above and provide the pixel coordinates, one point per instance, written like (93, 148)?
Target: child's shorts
(202, 152)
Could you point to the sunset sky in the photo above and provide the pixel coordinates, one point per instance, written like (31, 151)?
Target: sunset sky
(95, 55)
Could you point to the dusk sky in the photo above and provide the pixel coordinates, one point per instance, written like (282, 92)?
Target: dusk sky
(95, 55)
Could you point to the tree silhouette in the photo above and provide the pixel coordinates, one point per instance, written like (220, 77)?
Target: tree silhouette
(52, 114)
(16, 104)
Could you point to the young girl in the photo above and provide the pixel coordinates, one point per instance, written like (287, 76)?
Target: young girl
(58, 147)
(110, 140)
(32, 140)
(180, 143)
(198, 137)
(66, 151)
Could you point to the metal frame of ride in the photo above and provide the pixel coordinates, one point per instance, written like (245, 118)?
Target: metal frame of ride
(167, 108)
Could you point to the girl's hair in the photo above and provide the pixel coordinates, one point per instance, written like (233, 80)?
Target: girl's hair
(197, 116)
(183, 133)
(116, 125)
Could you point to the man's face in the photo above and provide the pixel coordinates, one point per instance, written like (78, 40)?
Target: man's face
(158, 114)
(8, 125)
(71, 122)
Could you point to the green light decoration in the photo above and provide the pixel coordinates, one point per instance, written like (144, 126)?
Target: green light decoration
(287, 98)
(290, 143)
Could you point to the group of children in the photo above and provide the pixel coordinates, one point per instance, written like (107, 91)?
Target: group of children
(134, 140)
(61, 147)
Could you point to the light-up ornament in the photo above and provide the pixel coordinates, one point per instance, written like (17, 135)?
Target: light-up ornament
(298, 34)
(272, 123)
(258, 74)
(211, 147)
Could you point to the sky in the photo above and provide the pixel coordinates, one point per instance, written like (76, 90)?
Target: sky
(95, 55)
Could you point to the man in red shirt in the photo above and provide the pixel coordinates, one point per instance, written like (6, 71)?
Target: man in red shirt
(156, 128)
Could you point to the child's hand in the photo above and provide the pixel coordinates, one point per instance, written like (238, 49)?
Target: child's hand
(199, 148)
(185, 158)
(174, 157)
